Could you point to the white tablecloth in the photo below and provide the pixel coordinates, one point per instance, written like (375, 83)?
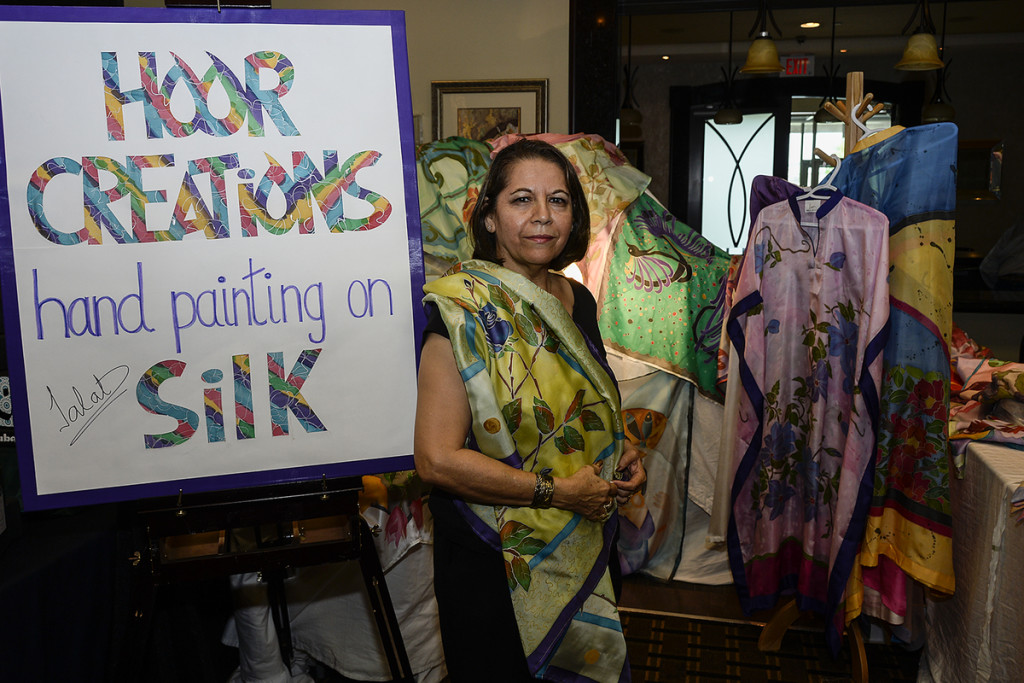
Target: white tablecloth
(978, 634)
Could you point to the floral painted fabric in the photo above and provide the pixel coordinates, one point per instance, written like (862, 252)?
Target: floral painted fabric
(911, 178)
(989, 407)
(661, 298)
(808, 326)
(395, 503)
(449, 174)
(542, 402)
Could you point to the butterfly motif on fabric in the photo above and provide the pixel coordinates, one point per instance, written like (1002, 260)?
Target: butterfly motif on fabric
(644, 427)
(654, 268)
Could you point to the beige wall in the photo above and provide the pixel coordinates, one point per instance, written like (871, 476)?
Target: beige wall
(451, 40)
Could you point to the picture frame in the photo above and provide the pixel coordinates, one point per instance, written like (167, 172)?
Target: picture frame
(481, 110)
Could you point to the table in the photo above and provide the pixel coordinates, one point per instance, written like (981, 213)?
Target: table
(978, 633)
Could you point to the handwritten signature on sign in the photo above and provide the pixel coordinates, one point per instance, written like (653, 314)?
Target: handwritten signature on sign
(85, 407)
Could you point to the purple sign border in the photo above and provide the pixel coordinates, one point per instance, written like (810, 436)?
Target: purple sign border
(15, 351)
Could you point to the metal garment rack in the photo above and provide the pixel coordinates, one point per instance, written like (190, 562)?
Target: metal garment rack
(197, 536)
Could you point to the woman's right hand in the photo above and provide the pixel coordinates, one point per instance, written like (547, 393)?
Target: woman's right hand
(586, 493)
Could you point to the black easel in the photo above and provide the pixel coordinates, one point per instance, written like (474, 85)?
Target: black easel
(194, 537)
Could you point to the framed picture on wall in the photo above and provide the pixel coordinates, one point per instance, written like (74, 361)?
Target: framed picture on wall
(481, 110)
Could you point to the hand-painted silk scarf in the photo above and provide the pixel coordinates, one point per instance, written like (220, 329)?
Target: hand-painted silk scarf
(662, 293)
(449, 174)
(541, 402)
(911, 178)
(808, 326)
(989, 406)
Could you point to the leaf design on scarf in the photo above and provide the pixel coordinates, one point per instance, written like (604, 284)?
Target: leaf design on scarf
(521, 572)
(512, 533)
(525, 329)
(517, 542)
(512, 412)
(591, 421)
(543, 415)
(575, 408)
(501, 299)
(573, 438)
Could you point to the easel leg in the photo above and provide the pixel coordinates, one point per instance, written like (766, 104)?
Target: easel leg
(142, 604)
(383, 609)
(279, 613)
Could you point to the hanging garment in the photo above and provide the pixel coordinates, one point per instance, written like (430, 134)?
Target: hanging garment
(808, 325)
(660, 295)
(658, 419)
(449, 174)
(764, 191)
(911, 178)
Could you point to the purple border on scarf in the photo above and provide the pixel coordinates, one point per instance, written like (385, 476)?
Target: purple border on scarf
(547, 646)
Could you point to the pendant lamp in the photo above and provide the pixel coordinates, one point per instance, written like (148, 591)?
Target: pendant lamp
(939, 109)
(630, 118)
(763, 56)
(729, 114)
(824, 115)
(921, 52)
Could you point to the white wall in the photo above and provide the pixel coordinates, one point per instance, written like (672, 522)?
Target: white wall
(451, 40)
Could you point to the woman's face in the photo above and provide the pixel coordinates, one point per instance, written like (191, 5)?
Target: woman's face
(532, 217)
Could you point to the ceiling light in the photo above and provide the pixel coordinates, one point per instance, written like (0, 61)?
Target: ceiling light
(921, 52)
(810, 24)
(665, 57)
(729, 114)
(763, 56)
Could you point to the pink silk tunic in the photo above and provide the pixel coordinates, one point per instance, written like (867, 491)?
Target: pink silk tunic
(809, 322)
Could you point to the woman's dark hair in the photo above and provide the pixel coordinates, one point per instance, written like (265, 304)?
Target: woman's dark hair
(485, 243)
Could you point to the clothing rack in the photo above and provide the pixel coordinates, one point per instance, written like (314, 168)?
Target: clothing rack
(855, 112)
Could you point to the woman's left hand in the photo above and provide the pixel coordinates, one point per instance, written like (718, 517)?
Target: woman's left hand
(634, 476)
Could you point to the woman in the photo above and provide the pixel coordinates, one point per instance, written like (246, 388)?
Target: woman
(523, 506)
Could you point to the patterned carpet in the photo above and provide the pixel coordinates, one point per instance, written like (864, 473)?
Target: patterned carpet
(669, 648)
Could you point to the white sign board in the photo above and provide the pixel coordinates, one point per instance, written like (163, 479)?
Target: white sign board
(209, 241)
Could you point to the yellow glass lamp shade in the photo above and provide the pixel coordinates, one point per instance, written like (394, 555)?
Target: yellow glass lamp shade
(762, 57)
(920, 54)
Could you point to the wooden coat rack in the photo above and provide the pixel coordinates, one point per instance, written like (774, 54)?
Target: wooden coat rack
(854, 113)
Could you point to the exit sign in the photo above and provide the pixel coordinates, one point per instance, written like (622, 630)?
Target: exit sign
(798, 65)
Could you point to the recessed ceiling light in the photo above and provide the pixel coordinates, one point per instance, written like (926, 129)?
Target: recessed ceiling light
(665, 57)
(810, 24)
(842, 49)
